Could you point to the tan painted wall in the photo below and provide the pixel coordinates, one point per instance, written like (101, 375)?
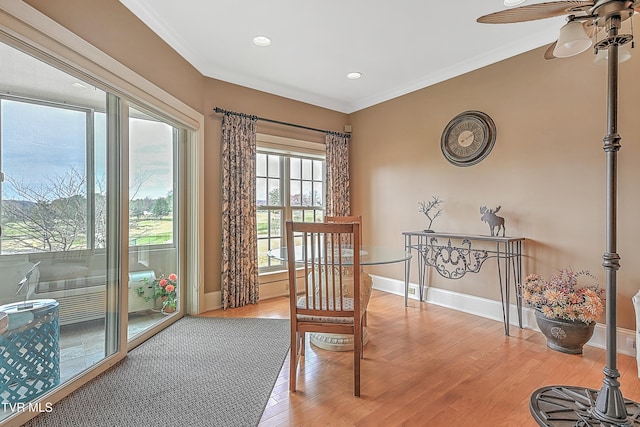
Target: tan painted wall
(547, 169)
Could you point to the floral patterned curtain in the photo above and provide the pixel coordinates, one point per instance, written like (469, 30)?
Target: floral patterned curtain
(239, 236)
(338, 201)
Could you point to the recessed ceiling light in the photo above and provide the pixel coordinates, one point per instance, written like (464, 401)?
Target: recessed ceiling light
(510, 3)
(354, 75)
(261, 41)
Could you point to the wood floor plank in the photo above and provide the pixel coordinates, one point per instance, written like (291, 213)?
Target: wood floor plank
(428, 365)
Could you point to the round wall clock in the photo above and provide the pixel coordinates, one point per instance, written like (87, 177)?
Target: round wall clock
(468, 138)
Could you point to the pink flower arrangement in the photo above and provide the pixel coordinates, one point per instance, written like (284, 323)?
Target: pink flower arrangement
(165, 288)
(562, 297)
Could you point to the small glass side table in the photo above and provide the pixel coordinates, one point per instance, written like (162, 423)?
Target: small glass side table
(29, 350)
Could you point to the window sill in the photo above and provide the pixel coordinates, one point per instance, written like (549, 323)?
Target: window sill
(272, 276)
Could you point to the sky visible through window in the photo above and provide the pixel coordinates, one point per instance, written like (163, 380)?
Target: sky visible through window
(151, 158)
(41, 142)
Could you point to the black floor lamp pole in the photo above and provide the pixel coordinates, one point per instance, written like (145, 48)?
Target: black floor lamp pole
(610, 404)
(578, 406)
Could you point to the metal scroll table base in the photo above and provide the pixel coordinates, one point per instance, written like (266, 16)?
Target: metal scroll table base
(454, 260)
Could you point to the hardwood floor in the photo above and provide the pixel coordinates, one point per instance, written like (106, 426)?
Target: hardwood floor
(428, 365)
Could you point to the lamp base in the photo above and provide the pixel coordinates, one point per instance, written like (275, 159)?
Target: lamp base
(570, 406)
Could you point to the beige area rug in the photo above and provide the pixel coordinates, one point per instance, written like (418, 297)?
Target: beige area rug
(198, 372)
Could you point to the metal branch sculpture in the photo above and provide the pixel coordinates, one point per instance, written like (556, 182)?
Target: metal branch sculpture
(431, 209)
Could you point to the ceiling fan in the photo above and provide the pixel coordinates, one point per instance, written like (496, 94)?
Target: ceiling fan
(593, 15)
(573, 405)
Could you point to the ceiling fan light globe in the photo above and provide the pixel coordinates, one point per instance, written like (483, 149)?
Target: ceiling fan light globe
(572, 41)
(624, 53)
(511, 3)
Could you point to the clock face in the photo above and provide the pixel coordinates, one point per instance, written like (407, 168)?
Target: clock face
(468, 138)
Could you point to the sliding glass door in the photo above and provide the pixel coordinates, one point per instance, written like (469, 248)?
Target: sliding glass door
(54, 244)
(66, 148)
(153, 221)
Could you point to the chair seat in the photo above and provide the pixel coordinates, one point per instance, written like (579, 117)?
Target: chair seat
(347, 306)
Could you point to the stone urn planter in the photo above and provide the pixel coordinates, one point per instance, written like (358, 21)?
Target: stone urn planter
(565, 335)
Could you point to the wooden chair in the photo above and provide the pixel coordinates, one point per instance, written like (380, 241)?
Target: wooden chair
(318, 301)
(348, 218)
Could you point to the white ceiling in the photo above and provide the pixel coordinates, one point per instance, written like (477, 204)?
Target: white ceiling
(399, 46)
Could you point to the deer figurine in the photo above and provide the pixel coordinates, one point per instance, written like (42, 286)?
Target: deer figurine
(489, 216)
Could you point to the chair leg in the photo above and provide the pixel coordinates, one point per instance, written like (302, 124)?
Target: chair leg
(302, 343)
(361, 337)
(357, 351)
(293, 361)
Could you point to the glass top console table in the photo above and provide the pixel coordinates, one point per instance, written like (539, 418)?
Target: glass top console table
(454, 255)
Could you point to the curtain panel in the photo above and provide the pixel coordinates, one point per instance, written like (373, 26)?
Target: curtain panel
(239, 236)
(338, 201)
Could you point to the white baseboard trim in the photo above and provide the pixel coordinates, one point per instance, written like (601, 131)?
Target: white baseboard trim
(278, 288)
(492, 309)
(213, 300)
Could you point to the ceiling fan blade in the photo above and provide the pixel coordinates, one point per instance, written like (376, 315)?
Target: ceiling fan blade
(548, 54)
(532, 12)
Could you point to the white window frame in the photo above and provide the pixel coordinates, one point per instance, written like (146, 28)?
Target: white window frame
(89, 147)
(270, 144)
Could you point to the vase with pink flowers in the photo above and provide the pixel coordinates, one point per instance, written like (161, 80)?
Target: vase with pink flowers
(164, 293)
(567, 307)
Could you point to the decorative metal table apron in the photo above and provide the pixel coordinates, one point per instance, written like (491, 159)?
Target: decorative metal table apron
(453, 261)
(369, 256)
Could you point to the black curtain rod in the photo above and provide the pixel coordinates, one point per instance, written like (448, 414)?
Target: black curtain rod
(223, 111)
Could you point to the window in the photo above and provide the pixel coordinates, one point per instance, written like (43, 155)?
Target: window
(53, 197)
(46, 196)
(290, 184)
(152, 148)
